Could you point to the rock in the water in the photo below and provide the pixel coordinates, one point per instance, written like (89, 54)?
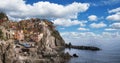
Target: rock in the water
(75, 55)
(92, 48)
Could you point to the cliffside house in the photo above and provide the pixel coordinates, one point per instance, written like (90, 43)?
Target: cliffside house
(19, 35)
(7, 33)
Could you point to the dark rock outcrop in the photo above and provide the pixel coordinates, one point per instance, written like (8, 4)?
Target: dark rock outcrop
(92, 48)
(75, 55)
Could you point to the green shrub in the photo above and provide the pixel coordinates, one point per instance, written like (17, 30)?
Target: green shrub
(2, 15)
(1, 34)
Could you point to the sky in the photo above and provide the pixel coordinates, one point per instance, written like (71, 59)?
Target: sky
(76, 20)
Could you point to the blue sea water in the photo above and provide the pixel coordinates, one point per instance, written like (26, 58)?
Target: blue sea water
(110, 52)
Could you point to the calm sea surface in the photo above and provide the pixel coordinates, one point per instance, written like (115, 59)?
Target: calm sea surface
(110, 52)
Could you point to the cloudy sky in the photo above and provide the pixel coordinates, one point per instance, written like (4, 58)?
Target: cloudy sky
(75, 19)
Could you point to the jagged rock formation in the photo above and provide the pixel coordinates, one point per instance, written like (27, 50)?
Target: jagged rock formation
(29, 41)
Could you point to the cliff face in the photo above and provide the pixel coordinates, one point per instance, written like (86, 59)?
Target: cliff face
(29, 41)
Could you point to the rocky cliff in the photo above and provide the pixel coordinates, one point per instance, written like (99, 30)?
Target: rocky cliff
(30, 41)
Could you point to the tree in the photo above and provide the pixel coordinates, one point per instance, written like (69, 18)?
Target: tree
(2, 15)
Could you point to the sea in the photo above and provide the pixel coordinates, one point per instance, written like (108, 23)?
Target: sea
(109, 53)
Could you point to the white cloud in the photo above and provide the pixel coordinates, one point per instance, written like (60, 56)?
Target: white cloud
(68, 22)
(89, 35)
(83, 23)
(110, 29)
(98, 25)
(115, 16)
(19, 9)
(110, 2)
(83, 37)
(83, 29)
(115, 25)
(92, 17)
(114, 10)
(105, 2)
(110, 35)
(78, 35)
